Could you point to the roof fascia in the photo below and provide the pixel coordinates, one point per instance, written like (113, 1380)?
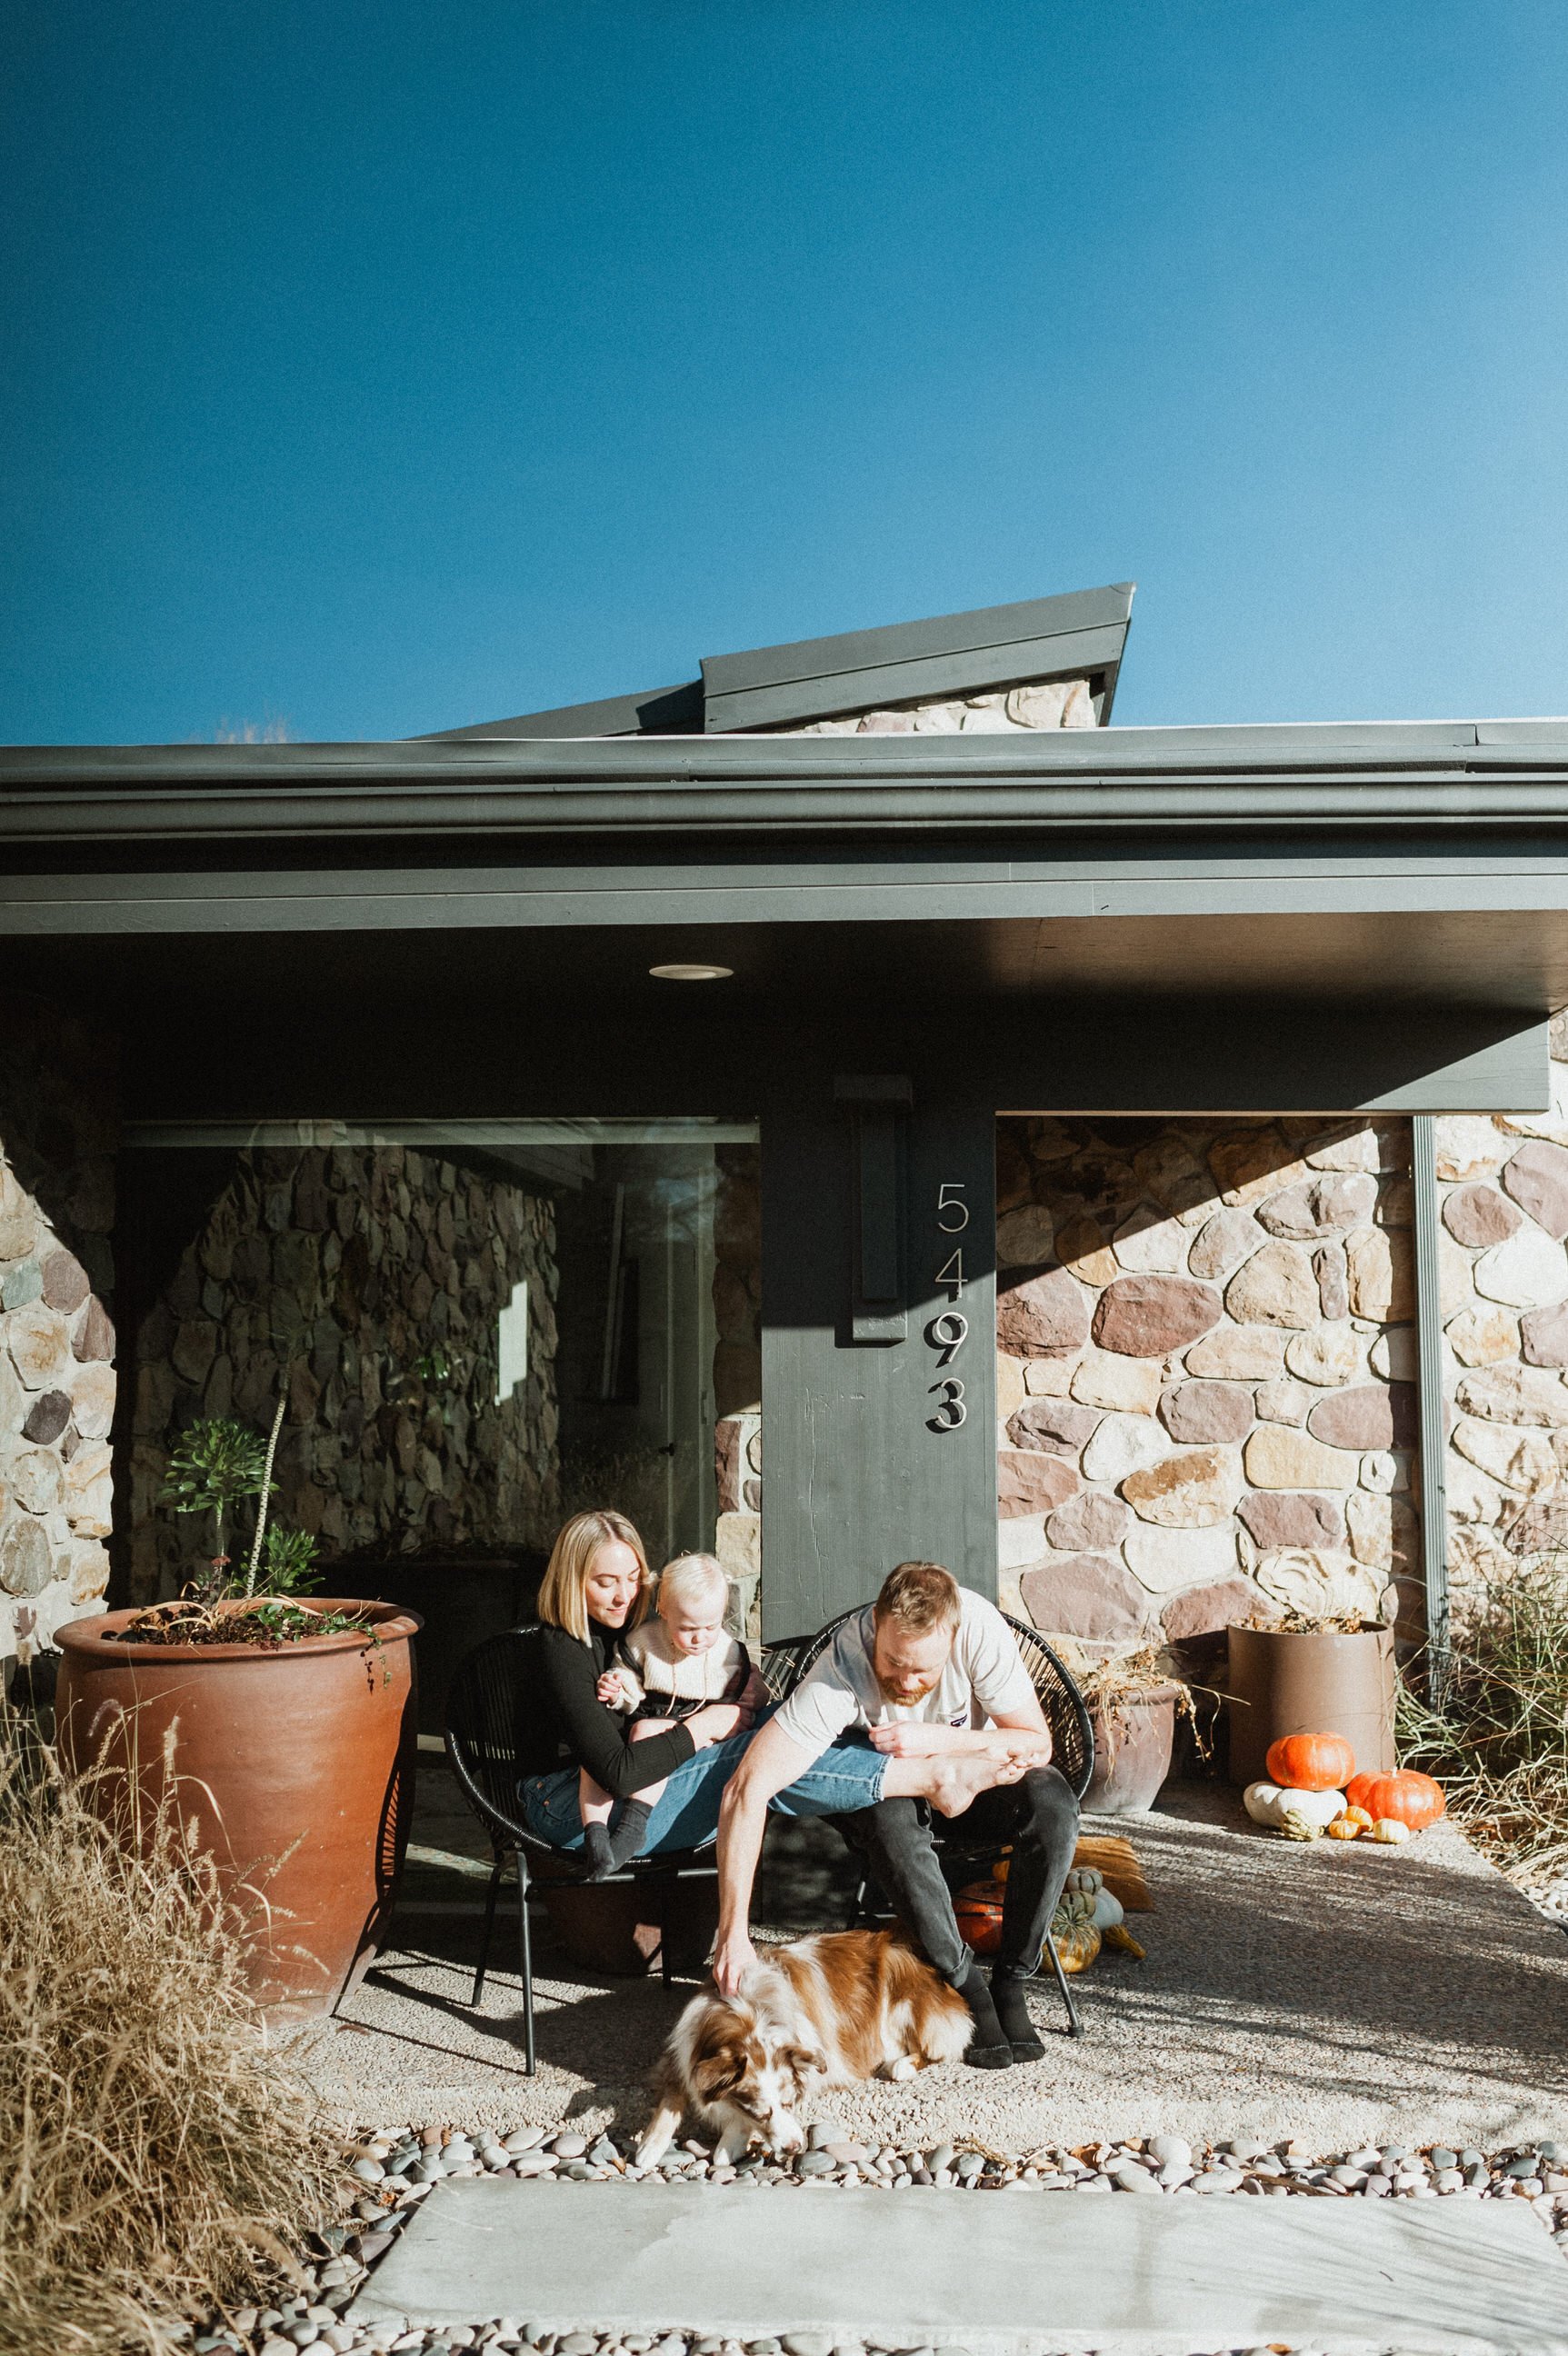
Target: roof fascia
(952, 653)
(1457, 774)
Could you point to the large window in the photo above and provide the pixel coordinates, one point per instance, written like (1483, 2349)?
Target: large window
(477, 1327)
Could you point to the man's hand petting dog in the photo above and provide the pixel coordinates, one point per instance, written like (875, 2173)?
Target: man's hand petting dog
(732, 1957)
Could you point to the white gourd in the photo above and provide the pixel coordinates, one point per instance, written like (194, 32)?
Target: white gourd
(1084, 1880)
(1306, 1815)
(1389, 1830)
(1258, 1800)
(1107, 1910)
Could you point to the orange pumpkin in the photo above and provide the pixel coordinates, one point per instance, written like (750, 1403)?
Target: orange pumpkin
(1311, 1762)
(979, 1913)
(1409, 1798)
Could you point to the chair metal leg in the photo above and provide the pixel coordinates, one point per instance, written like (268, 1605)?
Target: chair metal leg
(1074, 2026)
(525, 1944)
(491, 1894)
(668, 1883)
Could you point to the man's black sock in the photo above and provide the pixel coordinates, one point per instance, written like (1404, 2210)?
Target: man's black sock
(598, 1850)
(1013, 2012)
(626, 1841)
(990, 2047)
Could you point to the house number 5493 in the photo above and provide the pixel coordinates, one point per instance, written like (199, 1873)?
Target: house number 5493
(947, 1333)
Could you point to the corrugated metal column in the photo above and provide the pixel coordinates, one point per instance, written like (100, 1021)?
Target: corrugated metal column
(1433, 1437)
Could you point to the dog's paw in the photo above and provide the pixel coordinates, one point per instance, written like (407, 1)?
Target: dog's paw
(904, 2069)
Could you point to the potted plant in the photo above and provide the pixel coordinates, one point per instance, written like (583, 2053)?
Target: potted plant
(1132, 1703)
(1322, 1659)
(285, 1722)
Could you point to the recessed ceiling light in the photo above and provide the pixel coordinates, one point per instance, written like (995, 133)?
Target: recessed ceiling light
(691, 972)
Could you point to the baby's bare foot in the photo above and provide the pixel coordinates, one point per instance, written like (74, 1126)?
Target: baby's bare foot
(957, 1781)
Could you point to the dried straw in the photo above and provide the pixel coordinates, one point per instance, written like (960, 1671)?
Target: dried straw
(159, 2157)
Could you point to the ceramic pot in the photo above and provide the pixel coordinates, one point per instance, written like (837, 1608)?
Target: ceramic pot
(296, 1766)
(1132, 1742)
(1279, 1682)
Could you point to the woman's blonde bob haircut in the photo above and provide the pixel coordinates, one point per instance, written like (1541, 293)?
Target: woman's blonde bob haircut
(562, 1602)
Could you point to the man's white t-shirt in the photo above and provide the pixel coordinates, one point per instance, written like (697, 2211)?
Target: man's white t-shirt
(985, 1675)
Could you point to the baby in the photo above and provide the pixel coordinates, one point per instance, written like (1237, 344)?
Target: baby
(677, 1663)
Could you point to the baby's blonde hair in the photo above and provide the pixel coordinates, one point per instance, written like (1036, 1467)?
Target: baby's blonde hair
(692, 1579)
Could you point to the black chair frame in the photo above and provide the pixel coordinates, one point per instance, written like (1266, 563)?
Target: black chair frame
(488, 1694)
(1072, 1744)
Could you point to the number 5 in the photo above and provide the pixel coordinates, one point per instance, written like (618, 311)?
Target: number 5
(944, 1202)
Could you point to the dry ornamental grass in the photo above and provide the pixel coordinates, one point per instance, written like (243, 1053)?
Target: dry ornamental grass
(158, 2157)
(1499, 1742)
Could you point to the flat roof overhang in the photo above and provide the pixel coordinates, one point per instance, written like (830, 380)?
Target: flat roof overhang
(1424, 861)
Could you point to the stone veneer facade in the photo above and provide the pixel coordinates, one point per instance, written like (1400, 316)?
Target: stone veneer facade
(1206, 1361)
(1503, 1281)
(57, 1133)
(1206, 1358)
(1005, 711)
(363, 1261)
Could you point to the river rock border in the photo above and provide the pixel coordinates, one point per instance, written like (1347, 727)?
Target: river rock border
(390, 2172)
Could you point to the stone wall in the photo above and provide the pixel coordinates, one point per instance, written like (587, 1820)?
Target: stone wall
(1504, 1287)
(380, 1274)
(1206, 1363)
(58, 1131)
(1055, 703)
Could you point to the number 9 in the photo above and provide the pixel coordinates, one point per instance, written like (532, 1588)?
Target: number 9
(947, 1334)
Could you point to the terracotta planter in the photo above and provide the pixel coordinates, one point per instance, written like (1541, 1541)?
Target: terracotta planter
(296, 1764)
(1280, 1683)
(1132, 1743)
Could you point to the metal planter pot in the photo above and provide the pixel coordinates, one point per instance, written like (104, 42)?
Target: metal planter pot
(1280, 1683)
(296, 1766)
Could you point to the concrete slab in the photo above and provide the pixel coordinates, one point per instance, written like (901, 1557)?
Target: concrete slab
(1003, 2274)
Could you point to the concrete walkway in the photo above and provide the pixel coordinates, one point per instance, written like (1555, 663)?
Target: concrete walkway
(1337, 1994)
(1004, 2274)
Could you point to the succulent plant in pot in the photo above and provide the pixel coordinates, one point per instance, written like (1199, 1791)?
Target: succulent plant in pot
(285, 1721)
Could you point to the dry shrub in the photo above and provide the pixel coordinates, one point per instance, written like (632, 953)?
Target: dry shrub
(157, 2155)
(1498, 1740)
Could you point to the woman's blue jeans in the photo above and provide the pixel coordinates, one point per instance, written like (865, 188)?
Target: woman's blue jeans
(847, 1777)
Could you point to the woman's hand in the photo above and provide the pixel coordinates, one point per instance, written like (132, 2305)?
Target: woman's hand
(718, 1721)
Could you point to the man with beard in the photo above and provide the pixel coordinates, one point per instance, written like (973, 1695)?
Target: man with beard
(928, 1670)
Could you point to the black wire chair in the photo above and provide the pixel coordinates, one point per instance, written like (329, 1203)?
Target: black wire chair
(1072, 1754)
(488, 1707)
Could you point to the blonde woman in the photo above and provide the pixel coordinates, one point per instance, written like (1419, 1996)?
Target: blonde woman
(596, 1588)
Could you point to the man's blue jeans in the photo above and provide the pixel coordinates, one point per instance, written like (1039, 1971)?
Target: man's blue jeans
(847, 1778)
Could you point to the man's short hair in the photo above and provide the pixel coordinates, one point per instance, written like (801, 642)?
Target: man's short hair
(918, 1596)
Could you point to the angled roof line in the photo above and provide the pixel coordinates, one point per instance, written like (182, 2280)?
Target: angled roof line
(949, 656)
(952, 653)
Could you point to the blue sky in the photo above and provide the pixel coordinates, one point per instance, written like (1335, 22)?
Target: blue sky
(372, 367)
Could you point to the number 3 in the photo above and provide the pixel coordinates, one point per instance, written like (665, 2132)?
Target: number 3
(953, 1410)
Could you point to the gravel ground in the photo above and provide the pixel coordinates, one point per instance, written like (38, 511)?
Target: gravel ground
(1339, 1994)
(394, 2168)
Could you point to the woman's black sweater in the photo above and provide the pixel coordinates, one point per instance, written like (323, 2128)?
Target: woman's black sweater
(574, 1721)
